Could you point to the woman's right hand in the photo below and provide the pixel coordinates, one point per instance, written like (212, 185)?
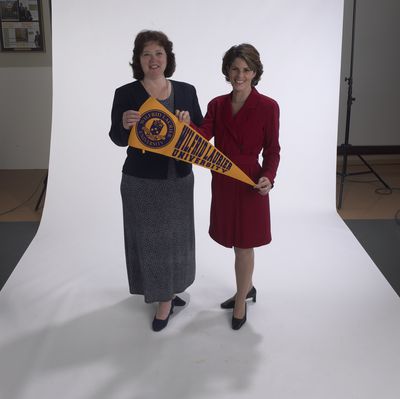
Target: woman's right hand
(183, 116)
(129, 118)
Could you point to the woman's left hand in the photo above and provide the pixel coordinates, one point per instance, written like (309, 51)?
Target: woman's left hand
(183, 116)
(263, 186)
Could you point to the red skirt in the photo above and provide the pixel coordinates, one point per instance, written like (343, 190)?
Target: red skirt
(239, 216)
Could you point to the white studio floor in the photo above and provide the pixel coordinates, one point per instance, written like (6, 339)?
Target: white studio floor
(326, 323)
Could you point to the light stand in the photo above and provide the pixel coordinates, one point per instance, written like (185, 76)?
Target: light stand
(346, 147)
(42, 192)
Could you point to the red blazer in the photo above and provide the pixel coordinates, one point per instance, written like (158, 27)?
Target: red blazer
(239, 215)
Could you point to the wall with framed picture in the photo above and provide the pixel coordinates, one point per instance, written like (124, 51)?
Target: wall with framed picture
(21, 25)
(26, 89)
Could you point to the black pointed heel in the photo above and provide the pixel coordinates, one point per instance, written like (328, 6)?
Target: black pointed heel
(159, 324)
(178, 301)
(238, 323)
(230, 303)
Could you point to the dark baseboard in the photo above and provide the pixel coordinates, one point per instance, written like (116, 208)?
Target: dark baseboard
(369, 149)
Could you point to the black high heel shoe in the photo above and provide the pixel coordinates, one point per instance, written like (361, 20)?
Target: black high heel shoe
(159, 324)
(230, 303)
(237, 323)
(178, 301)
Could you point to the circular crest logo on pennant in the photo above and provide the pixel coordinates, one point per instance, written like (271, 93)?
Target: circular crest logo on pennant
(155, 129)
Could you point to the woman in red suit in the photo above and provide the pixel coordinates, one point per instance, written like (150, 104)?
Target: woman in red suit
(244, 124)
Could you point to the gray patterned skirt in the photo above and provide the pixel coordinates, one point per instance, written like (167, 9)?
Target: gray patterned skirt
(159, 235)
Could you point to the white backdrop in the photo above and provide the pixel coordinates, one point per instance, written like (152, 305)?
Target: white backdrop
(326, 323)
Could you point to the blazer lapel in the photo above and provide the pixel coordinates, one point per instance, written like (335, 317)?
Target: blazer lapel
(235, 123)
(248, 108)
(179, 98)
(141, 94)
(229, 121)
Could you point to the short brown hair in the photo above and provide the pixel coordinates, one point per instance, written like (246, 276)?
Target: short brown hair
(249, 54)
(144, 37)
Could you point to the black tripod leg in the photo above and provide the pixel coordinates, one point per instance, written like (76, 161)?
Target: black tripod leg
(342, 177)
(374, 173)
(42, 193)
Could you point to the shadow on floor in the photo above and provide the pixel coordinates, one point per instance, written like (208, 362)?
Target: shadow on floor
(381, 240)
(15, 238)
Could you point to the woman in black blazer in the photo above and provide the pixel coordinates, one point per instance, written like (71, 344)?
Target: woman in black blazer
(157, 191)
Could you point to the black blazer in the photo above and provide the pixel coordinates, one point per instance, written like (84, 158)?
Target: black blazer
(149, 164)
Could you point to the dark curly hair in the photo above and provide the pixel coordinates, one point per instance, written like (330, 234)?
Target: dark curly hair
(249, 54)
(141, 40)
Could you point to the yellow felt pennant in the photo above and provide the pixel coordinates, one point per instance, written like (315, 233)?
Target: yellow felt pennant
(160, 131)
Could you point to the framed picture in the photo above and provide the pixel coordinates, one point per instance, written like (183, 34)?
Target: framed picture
(21, 25)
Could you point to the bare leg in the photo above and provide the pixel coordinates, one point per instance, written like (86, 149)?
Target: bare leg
(163, 310)
(244, 266)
